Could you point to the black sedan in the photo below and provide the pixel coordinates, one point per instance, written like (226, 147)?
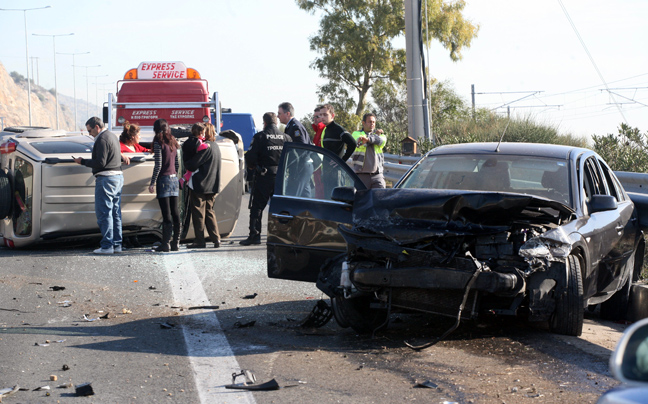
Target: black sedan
(529, 230)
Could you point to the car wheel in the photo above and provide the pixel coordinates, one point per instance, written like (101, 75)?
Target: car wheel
(567, 319)
(357, 314)
(5, 195)
(616, 307)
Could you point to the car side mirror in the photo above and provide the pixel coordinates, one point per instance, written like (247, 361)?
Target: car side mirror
(629, 362)
(601, 203)
(344, 194)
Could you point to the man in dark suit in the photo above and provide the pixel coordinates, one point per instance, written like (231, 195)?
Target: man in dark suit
(301, 162)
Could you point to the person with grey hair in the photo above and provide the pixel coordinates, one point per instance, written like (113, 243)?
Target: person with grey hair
(106, 167)
(301, 163)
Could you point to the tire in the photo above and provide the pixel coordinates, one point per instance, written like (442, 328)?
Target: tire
(568, 317)
(357, 314)
(616, 307)
(5, 195)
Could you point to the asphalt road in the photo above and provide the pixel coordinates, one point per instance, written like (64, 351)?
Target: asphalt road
(158, 343)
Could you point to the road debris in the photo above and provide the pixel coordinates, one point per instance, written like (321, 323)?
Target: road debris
(53, 378)
(271, 385)
(84, 389)
(64, 386)
(8, 391)
(126, 311)
(65, 367)
(252, 296)
(41, 388)
(57, 288)
(238, 324)
(203, 307)
(428, 384)
(86, 318)
(166, 325)
(319, 316)
(65, 303)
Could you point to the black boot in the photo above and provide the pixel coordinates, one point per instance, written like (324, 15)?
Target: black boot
(175, 243)
(256, 239)
(166, 237)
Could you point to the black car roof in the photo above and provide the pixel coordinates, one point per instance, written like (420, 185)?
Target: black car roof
(517, 149)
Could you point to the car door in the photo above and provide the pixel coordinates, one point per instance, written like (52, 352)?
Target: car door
(303, 230)
(603, 230)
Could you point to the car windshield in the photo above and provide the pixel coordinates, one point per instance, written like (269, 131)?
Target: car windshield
(538, 176)
(62, 147)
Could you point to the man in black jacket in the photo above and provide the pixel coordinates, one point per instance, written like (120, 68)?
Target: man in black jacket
(299, 163)
(106, 167)
(263, 158)
(336, 139)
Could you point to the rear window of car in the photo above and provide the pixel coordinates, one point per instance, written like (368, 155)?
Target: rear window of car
(62, 147)
(539, 176)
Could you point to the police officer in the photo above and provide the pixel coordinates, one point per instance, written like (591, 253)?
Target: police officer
(263, 157)
(301, 166)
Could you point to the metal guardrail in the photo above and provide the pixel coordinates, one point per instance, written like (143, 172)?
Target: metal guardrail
(396, 166)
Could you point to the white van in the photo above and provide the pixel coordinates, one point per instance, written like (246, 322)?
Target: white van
(46, 196)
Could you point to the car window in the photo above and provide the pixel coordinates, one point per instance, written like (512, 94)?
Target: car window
(614, 187)
(539, 176)
(62, 147)
(23, 197)
(327, 174)
(593, 180)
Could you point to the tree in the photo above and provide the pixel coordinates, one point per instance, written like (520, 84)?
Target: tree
(355, 41)
(625, 151)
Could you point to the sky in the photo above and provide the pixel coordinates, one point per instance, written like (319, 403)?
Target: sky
(256, 54)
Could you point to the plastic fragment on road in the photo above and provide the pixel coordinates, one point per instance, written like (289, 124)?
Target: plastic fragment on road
(8, 391)
(166, 325)
(238, 324)
(84, 389)
(250, 378)
(204, 307)
(57, 288)
(86, 318)
(428, 384)
(41, 388)
(319, 316)
(271, 385)
(252, 296)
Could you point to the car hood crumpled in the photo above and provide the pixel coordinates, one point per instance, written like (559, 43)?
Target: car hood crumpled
(409, 215)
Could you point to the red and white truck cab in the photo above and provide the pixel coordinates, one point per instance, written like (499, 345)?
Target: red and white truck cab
(161, 90)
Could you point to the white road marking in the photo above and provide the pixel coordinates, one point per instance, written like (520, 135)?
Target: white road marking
(211, 356)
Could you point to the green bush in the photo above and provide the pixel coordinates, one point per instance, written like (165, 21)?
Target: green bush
(625, 151)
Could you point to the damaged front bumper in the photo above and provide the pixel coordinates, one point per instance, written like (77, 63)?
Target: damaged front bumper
(438, 278)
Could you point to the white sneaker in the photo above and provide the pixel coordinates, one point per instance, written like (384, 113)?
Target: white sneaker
(119, 249)
(104, 251)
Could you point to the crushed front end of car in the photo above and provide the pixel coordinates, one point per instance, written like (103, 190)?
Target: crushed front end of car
(451, 253)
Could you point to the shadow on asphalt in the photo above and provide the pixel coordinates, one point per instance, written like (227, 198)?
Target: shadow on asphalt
(277, 329)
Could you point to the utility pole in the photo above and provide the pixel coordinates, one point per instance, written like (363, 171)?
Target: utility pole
(32, 67)
(417, 111)
(55, 84)
(76, 122)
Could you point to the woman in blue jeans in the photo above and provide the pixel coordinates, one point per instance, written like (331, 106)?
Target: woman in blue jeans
(165, 181)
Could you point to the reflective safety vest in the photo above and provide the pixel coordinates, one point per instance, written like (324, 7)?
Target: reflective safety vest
(375, 159)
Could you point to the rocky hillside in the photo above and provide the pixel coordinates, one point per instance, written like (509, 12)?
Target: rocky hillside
(14, 108)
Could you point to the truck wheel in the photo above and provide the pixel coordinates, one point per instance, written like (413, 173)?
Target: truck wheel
(5, 195)
(568, 317)
(357, 314)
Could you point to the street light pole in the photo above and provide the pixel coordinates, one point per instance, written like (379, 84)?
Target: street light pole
(87, 92)
(55, 84)
(24, 10)
(96, 83)
(76, 122)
